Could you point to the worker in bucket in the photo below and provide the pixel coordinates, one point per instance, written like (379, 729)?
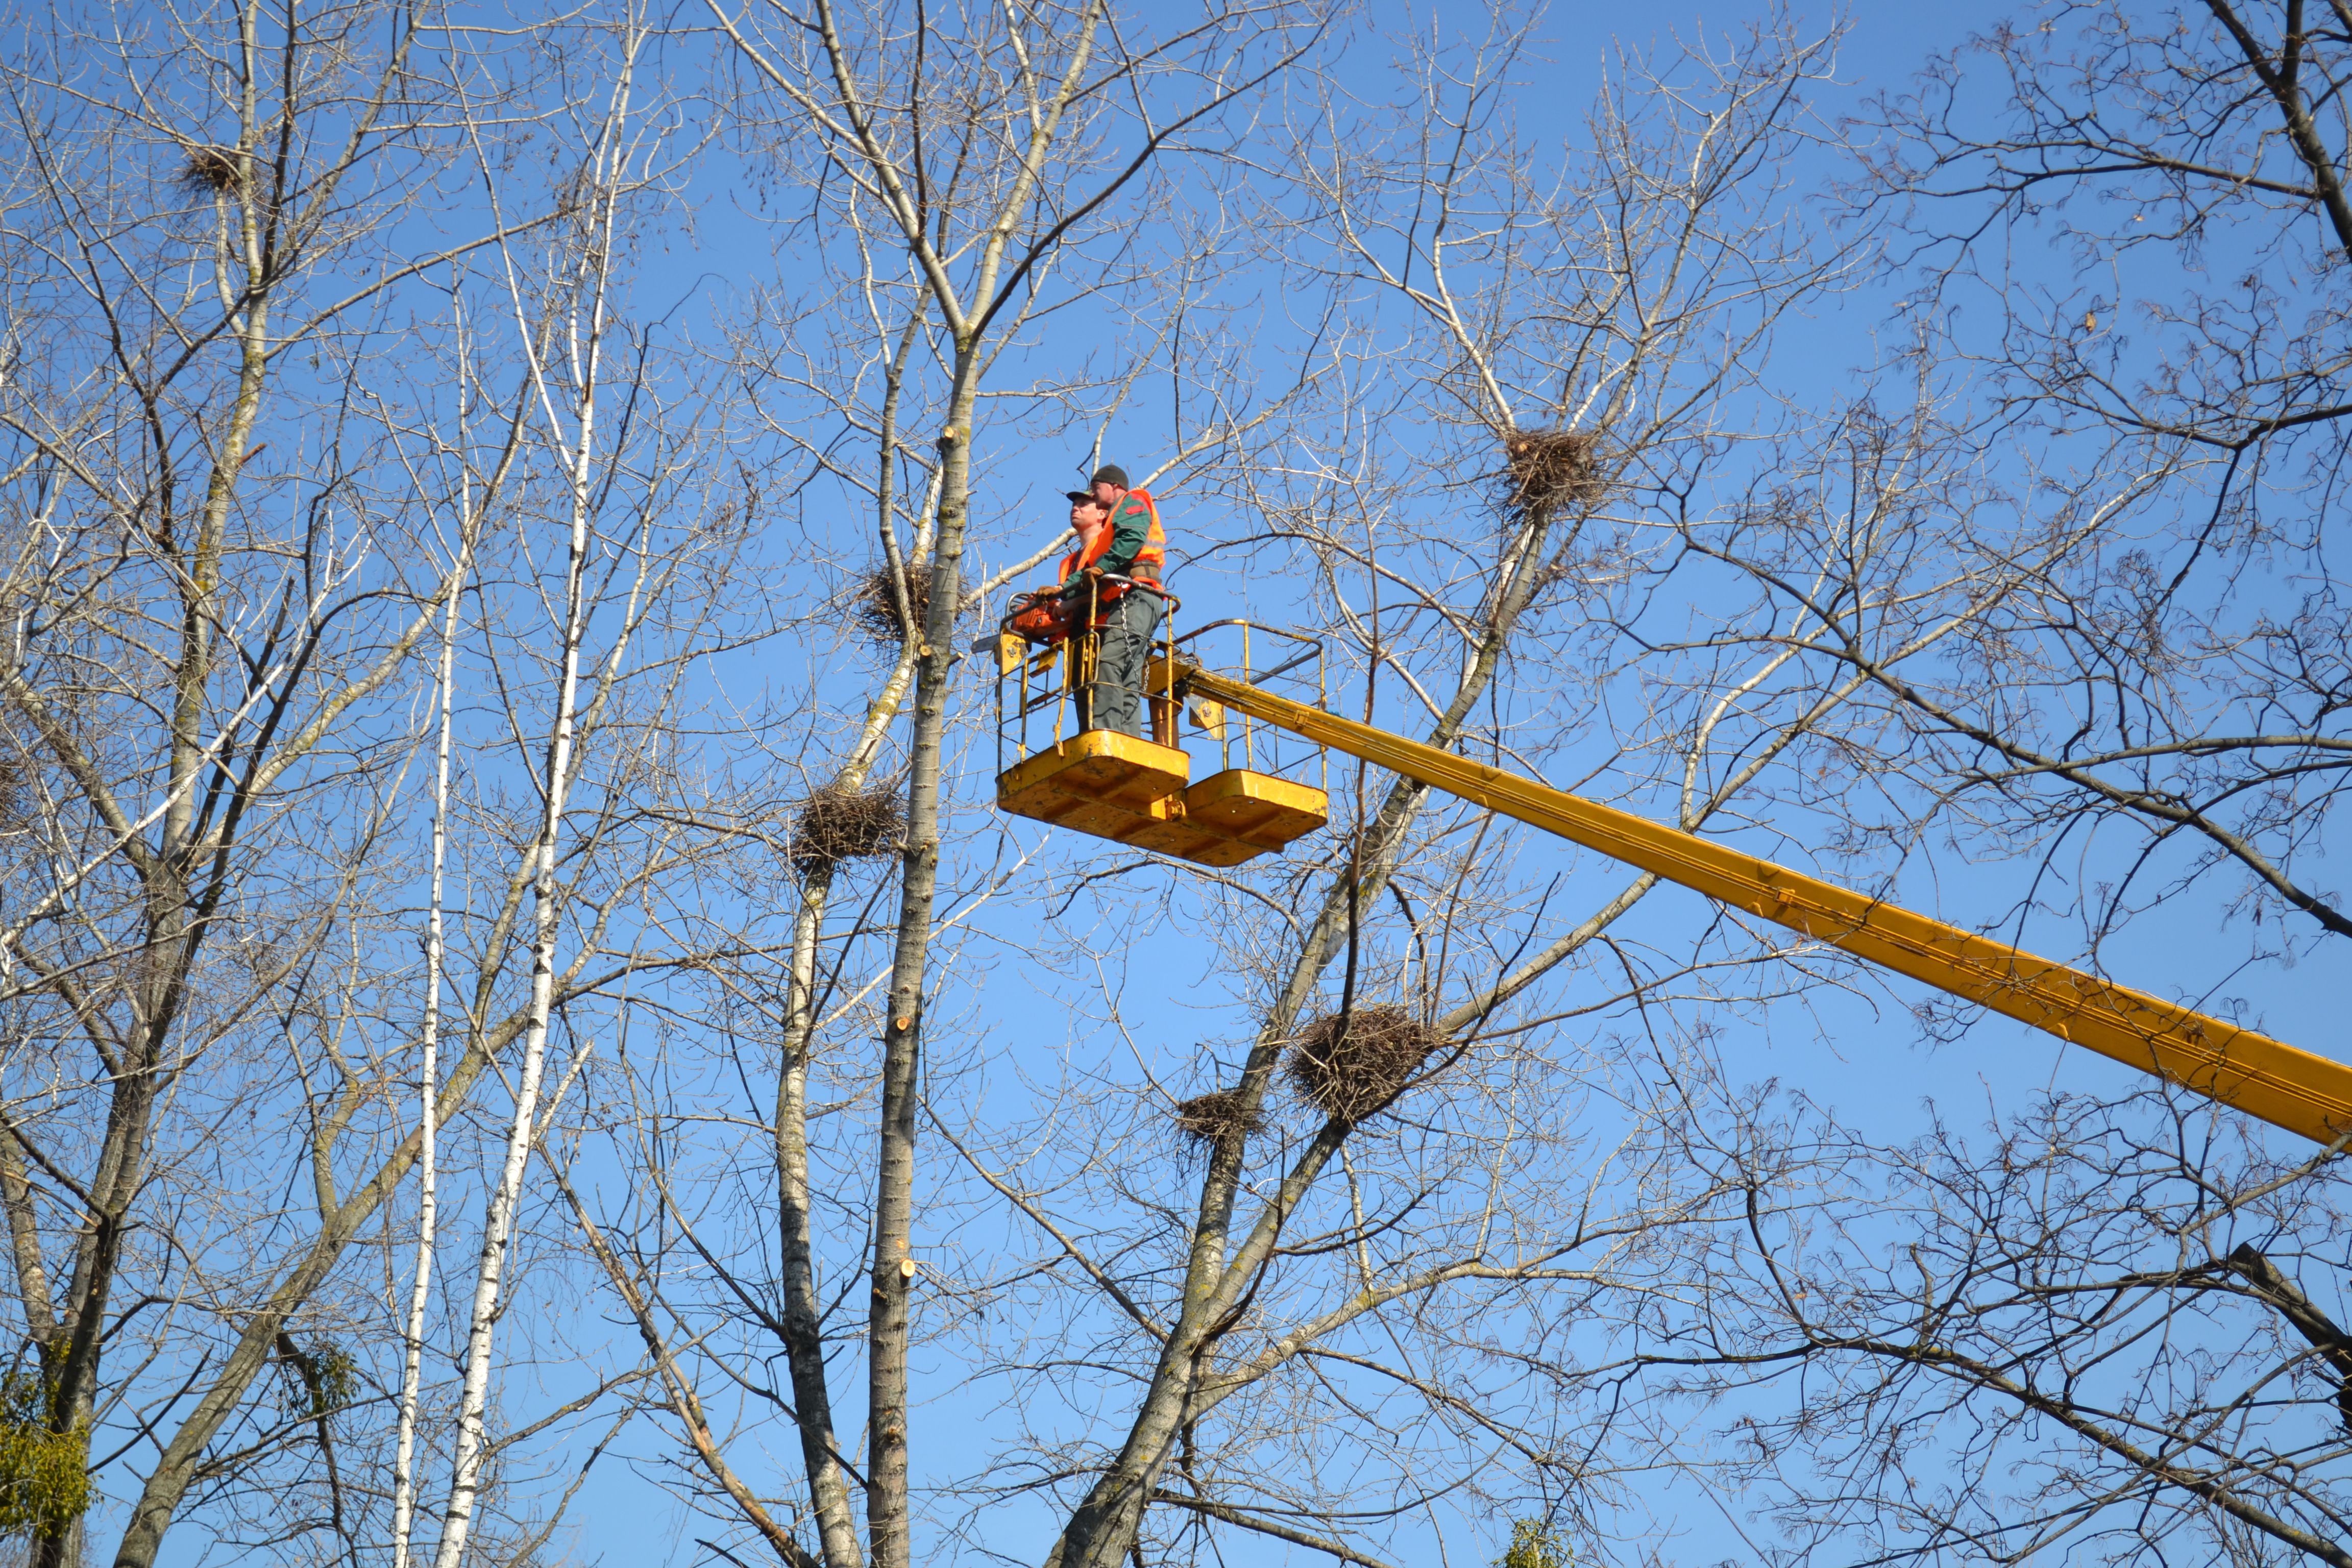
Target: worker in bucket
(1118, 537)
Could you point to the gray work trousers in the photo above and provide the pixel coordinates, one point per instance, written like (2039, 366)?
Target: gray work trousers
(1115, 699)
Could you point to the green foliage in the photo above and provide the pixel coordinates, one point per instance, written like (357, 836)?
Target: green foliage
(337, 1376)
(1533, 1546)
(44, 1474)
(325, 1377)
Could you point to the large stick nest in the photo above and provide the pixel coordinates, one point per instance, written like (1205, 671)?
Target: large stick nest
(1549, 469)
(874, 604)
(213, 169)
(1351, 1064)
(1216, 1117)
(835, 824)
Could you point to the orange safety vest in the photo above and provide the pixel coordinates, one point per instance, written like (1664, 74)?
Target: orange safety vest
(1147, 559)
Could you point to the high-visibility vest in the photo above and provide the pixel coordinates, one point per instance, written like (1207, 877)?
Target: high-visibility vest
(1148, 561)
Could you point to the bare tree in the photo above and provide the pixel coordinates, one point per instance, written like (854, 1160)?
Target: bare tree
(261, 438)
(2106, 1327)
(313, 372)
(979, 182)
(2091, 1333)
(1409, 1190)
(2213, 142)
(967, 173)
(174, 669)
(581, 319)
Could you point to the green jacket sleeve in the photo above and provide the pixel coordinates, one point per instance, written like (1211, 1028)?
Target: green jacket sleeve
(1131, 527)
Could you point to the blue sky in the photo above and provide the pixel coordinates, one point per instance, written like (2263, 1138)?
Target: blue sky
(1853, 1052)
(1013, 1037)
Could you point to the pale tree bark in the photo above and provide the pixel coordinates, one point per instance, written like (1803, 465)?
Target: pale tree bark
(403, 1475)
(247, 693)
(820, 1455)
(575, 431)
(973, 256)
(210, 424)
(965, 313)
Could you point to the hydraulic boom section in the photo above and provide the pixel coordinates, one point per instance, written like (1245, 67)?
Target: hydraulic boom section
(2264, 1078)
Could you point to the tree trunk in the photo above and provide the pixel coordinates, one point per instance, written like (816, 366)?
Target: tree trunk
(404, 1472)
(465, 1482)
(886, 1522)
(1102, 1529)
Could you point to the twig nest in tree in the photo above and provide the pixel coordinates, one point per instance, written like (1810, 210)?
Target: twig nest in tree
(1351, 1064)
(835, 824)
(1213, 1118)
(1549, 469)
(875, 604)
(213, 168)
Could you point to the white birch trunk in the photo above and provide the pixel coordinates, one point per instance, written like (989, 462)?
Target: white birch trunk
(465, 1472)
(404, 1472)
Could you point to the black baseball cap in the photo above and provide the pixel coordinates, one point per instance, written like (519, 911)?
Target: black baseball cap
(1079, 495)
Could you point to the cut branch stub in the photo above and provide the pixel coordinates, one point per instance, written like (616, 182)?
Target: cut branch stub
(835, 824)
(875, 602)
(1217, 1117)
(1351, 1064)
(213, 168)
(1549, 469)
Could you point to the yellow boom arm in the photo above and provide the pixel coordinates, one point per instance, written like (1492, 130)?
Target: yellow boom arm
(2264, 1078)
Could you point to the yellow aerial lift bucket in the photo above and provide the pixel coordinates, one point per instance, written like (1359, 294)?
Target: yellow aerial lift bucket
(1128, 789)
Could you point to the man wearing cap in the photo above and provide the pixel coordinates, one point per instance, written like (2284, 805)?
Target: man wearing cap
(1118, 536)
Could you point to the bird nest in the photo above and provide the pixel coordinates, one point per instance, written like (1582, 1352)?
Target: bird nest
(1549, 469)
(874, 603)
(1351, 1064)
(835, 824)
(213, 168)
(1217, 1117)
